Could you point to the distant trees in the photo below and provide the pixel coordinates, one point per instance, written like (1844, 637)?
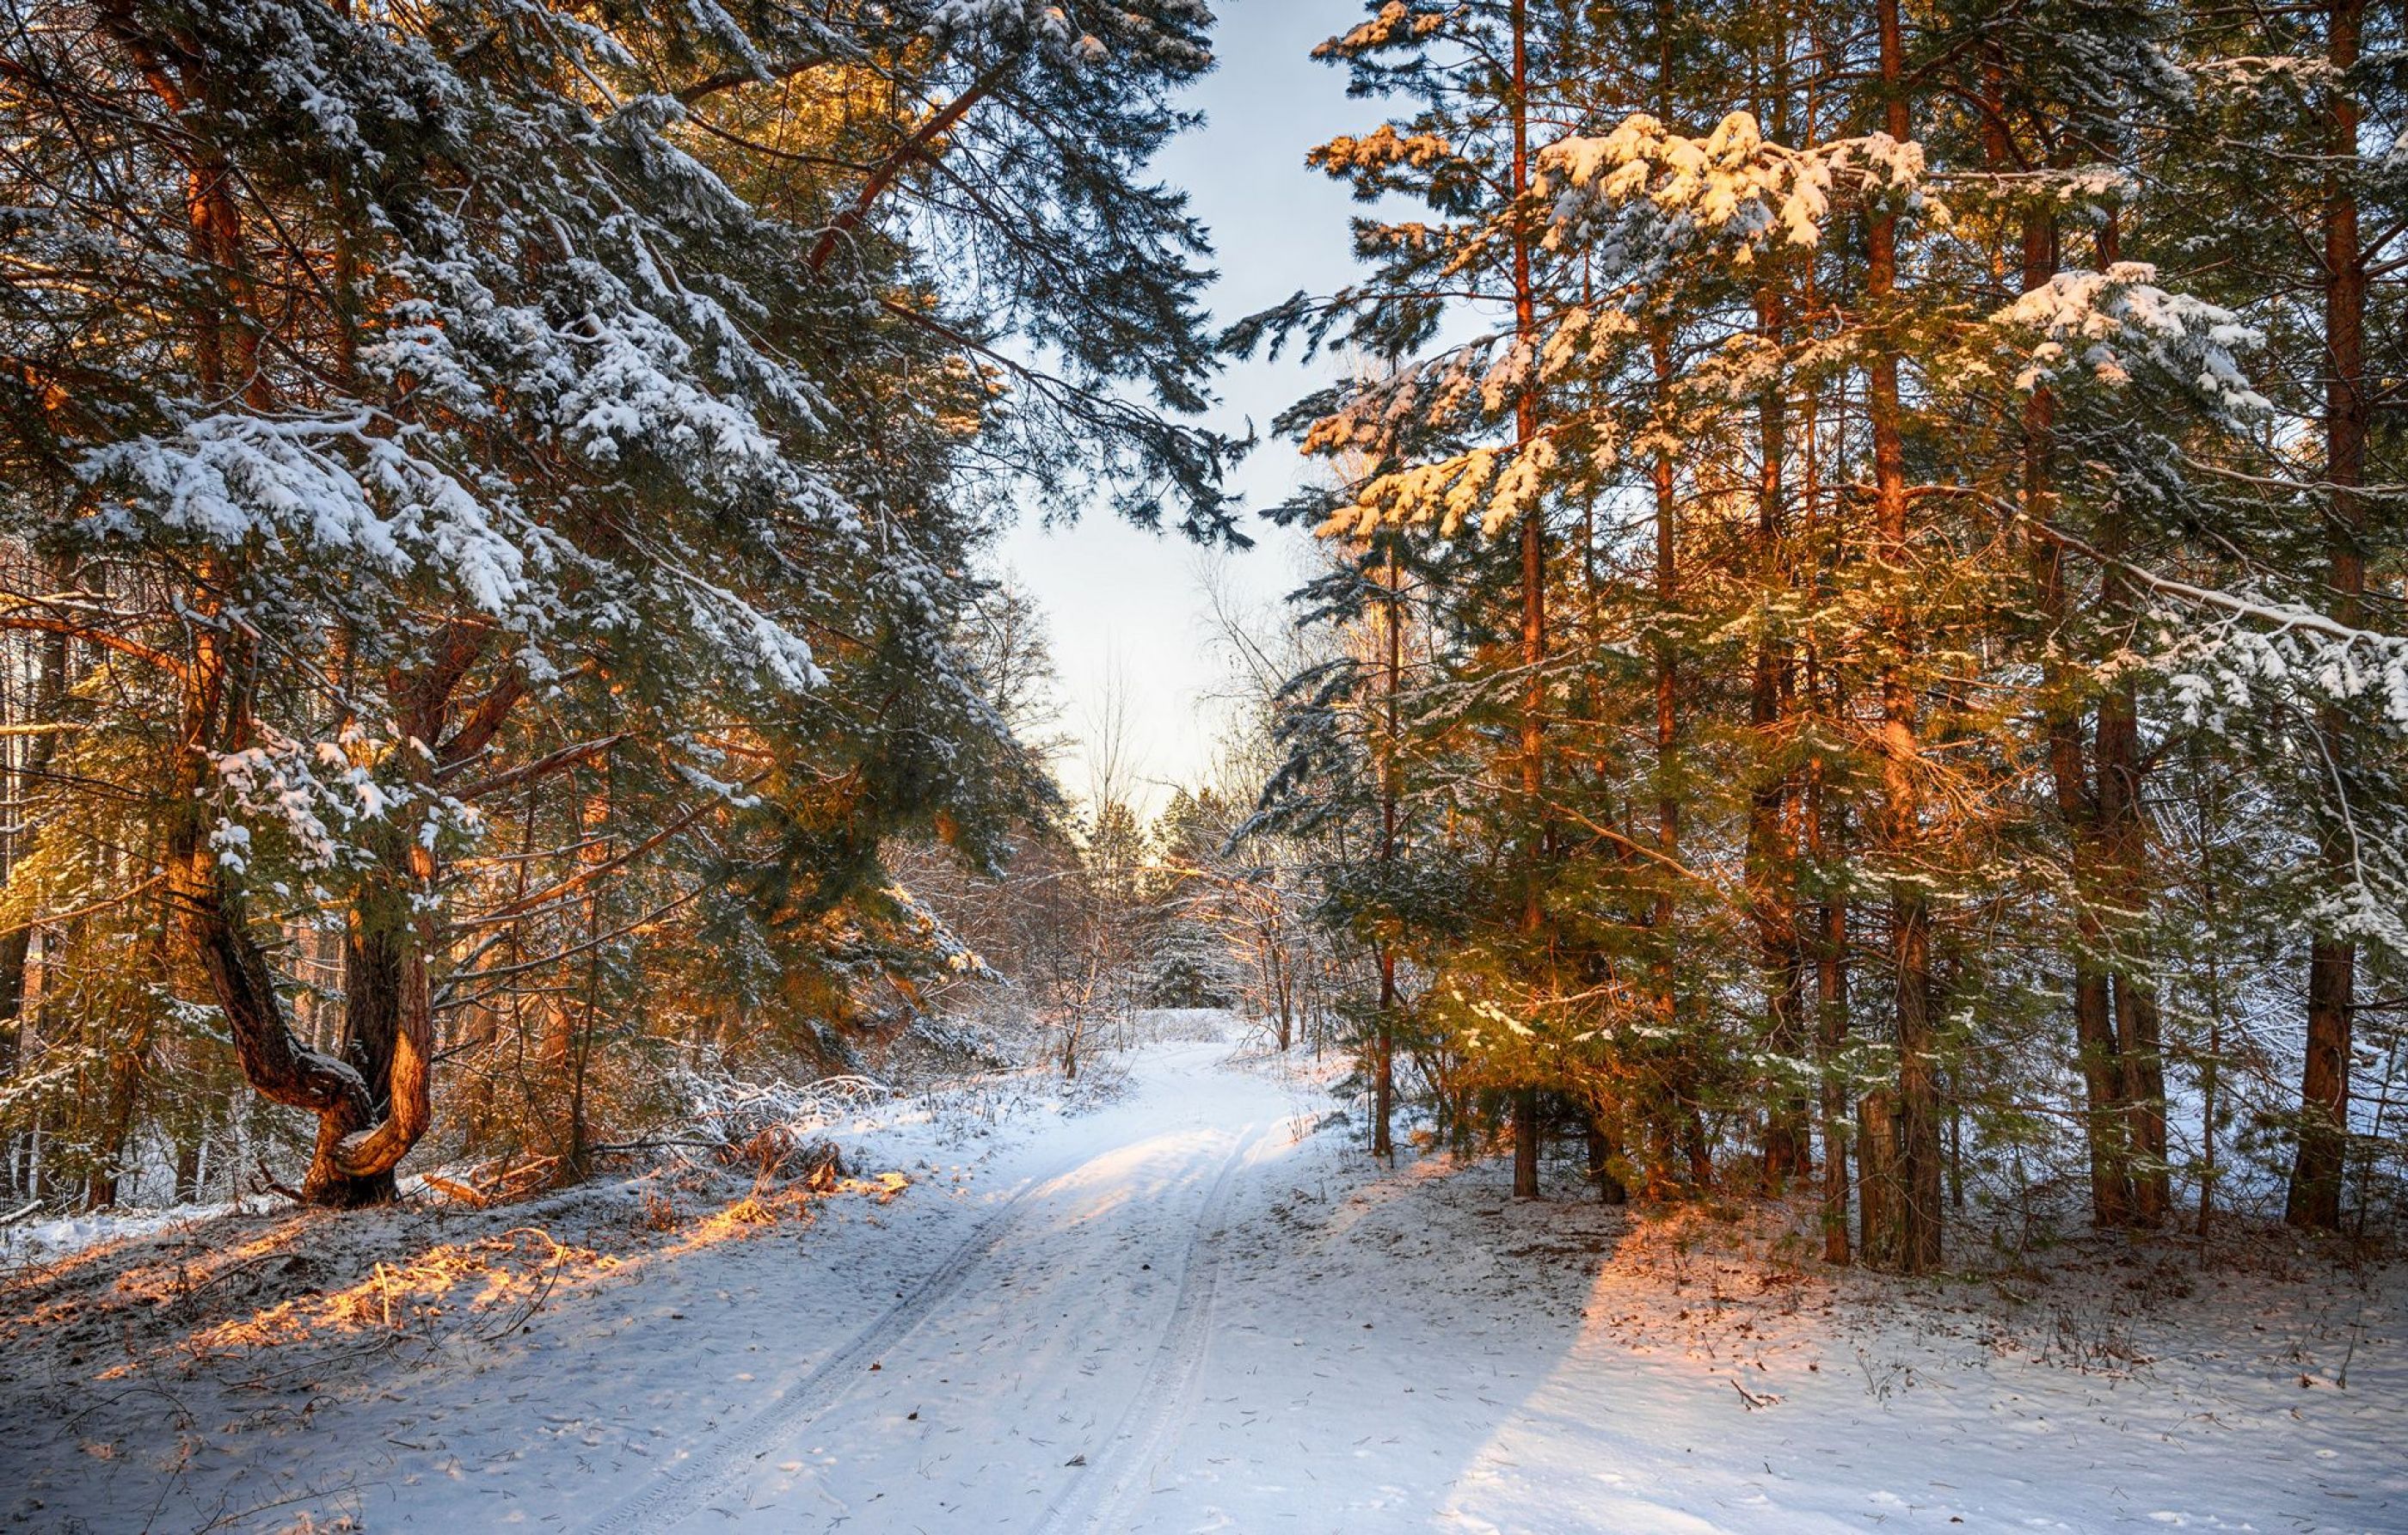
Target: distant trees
(1875, 485)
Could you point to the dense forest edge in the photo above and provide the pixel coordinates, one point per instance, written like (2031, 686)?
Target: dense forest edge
(1853, 648)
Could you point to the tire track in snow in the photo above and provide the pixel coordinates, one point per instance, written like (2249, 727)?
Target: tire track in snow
(686, 1489)
(1100, 1498)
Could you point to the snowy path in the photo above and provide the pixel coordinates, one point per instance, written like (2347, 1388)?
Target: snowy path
(1191, 1312)
(1200, 1308)
(1066, 1324)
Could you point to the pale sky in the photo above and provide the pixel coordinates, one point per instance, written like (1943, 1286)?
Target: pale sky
(1120, 599)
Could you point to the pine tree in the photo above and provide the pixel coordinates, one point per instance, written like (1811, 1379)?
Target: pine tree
(495, 416)
(1900, 527)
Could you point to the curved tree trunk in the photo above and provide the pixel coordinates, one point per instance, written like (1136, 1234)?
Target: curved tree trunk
(367, 1118)
(359, 1138)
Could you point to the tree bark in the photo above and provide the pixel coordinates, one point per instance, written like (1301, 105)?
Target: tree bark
(1830, 1025)
(2139, 1052)
(1526, 1143)
(41, 751)
(1601, 1152)
(1920, 1213)
(2104, 1123)
(1383, 1064)
(2314, 1200)
(129, 1064)
(1772, 871)
(1880, 1197)
(1534, 603)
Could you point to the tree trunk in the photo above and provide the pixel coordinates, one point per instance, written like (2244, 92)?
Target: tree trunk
(1831, 1033)
(215, 928)
(1920, 1213)
(1880, 1199)
(2139, 1053)
(2139, 1036)
(1526, 1143)
(1826, 825)
(1384, 1066)
(48, 707)
(188, 1170)
(1601, 1152)
(388, 1000)
(1534, 608)
(2212, 1067)
(2104, 1125)
(2314, 1197)
(1831, 1029)
(1773, 873)
(1694, 1144)
(374, 956)
(206, 906)
(1383, 1062)
(363, 1130)
(129, 1064)
(1667, 717)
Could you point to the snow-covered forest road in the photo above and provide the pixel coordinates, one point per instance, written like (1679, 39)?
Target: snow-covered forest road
(1197, 1307)
(1039, 1375)
(1195, 1310)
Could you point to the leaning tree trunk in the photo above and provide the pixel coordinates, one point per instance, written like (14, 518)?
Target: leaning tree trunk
(367, 1119)
(388, 1040)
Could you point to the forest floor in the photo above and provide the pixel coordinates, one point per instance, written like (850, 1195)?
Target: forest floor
(1193, 1305)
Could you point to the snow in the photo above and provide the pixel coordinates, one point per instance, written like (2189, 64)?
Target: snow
(2105, 320)
(1643, 190)
(45, 1242)
(358, 490)
(1196, 1306)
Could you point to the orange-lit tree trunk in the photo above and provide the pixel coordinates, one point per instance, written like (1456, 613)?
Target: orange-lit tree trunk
(1918, 1211)
(30, 782)
(1383, 1042)
(1825, 836)
(1534, 598)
